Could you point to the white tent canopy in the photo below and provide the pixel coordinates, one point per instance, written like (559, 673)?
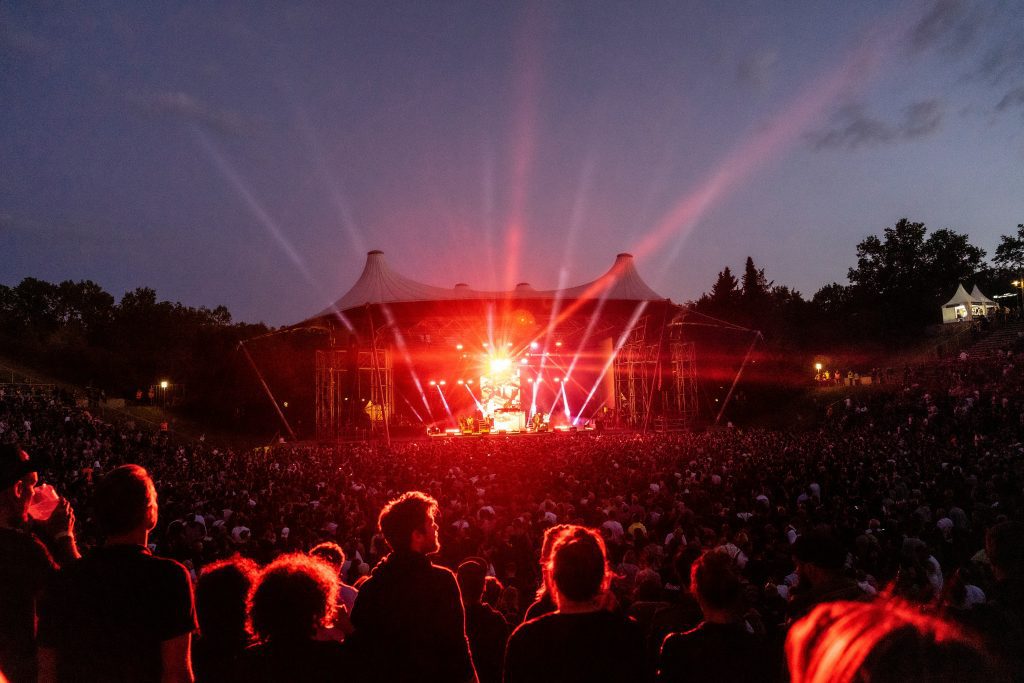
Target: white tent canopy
(964, 306)
(379, 284)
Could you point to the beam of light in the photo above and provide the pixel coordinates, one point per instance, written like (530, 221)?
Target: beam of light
(414, 411)
(451, 418)
(331, 182)
(403, 348)
(565, 405)
(526, 89)
(479, 406)
(263, 217)
(615, 352)
(785, 128)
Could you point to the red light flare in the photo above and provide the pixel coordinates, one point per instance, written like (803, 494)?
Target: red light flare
(787, 126)
(611, 359)
(406, 356)
(526, 89)
(261, 215)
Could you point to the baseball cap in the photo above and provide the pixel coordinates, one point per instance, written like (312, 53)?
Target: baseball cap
(14, 464)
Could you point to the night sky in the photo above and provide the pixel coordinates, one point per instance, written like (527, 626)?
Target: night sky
(249, 153)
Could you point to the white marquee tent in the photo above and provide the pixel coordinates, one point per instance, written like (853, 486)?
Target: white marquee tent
(964, 306)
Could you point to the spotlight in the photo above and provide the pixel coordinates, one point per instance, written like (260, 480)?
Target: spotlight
(458, 347)
(461, 382)
(433, 383)
(558, 343)
(524, 361)
(442, 383)
(534, 345)
(557, 380)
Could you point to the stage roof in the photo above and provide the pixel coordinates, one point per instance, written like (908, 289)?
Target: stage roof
(380, 284)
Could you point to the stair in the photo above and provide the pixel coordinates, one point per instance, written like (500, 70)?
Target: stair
(1002, 338)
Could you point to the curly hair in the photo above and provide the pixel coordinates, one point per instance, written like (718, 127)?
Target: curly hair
(410, 512)
(329, 552)
(292, 596)
(883, 642)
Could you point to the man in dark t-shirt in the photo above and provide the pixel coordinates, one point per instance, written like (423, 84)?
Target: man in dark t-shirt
(25, 561)
(119, 614)
(582, 641)
(720, 648)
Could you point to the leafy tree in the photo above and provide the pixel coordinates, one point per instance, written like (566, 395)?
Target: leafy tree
(1010, 252)
(902, 277)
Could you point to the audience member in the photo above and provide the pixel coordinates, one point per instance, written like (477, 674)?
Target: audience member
(408, 618)
(222, 592)
(486, 628)
(722, 647)
(119, 613)
(884, 642)
(293, 596)
(581, 641)
(25, 561)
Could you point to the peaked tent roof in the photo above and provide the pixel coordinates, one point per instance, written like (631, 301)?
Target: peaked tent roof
(960, 297)
(379, 284)
(978, 296)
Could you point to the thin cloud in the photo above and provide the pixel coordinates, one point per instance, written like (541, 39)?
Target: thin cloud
(756, 68)
(854, 127)
(1014, 98)
(952, 25)
(183, 106)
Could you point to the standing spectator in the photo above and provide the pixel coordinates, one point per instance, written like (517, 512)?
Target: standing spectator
(883, 642)
(332, 554)
(25, 561)
(485, 627)
(582, 641)
(119, 613)
(820, 560)
(221, 594)
(409, 605)
(293, 596)
(1001, 620)
(720, 648)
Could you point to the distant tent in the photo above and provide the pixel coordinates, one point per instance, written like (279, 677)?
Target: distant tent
(964, 306)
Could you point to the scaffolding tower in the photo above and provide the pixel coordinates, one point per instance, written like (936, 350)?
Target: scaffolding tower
(354, 391)
(636, 371)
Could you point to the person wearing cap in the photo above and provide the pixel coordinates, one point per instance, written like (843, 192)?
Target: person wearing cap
(26, 562)
(486, 629)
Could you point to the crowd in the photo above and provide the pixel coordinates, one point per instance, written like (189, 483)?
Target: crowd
(729, 554)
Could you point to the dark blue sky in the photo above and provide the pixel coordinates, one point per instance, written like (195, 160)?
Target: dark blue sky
(250, 153)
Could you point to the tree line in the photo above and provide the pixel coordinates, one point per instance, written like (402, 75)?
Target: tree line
(81, 334)
(893, 292)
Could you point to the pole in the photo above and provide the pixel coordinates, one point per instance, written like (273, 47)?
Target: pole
(266, 388)
(736, 379)
(380, 387)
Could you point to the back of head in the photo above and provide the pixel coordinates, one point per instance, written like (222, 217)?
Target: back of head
(125, 501)
(821, 549)
(410, 512)
(221, 593)
(331, 553)
(578, 565)
(471, 575)
(713, 581)
(1004, 544)
(883, 642)
(293, 595)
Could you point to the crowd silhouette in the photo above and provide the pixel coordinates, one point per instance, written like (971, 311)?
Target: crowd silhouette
(885, 543)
